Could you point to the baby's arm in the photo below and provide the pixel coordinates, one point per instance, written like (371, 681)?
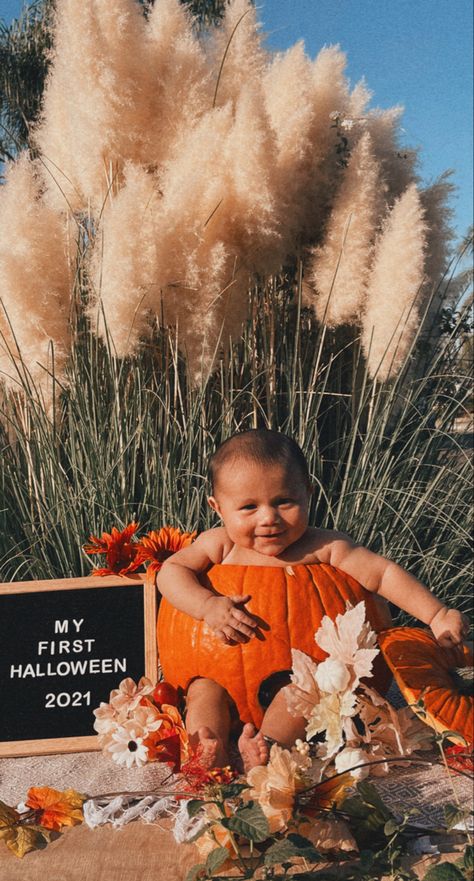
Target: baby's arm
(178, 581)
(395, 584)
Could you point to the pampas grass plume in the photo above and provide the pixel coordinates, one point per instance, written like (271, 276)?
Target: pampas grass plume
(340, 267)
(392, 314)
(35, 277)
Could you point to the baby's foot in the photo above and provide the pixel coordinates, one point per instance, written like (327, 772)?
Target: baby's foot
(252, 747)
(210, 750)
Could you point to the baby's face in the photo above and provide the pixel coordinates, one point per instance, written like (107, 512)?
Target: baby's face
(264, 509)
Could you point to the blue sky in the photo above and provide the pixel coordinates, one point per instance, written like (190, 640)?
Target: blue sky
(412, 52)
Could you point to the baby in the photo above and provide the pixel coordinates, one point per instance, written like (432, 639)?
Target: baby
(261, 491)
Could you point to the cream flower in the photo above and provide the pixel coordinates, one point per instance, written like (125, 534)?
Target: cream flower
(128, 695)
(329, 716)
(216, 836)
(350, 640)
(105, 719)
(303, 693)
(274, 786)
(332, 675)
(126, 745)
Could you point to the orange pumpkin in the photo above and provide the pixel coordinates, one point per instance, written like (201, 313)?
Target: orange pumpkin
(423, 669)
(292, 601)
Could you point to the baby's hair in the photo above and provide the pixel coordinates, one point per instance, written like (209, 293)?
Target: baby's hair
(262, 446)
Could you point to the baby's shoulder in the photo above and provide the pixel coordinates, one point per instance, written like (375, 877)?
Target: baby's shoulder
(320, 543)
(216, 543)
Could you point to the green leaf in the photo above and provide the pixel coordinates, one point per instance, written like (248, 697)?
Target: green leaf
(444, 872)
(250, 822)
(468, 857)
(391, 828)
(232, 790)
(194, 806)
(371, 798)
(289, 848)
(216, 859)
(195, 871)
(454, 815)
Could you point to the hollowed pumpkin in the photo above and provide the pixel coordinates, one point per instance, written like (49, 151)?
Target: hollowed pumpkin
(423, 669)
(292, 601)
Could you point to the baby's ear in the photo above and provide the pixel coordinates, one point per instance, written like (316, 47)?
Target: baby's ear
(212, 502)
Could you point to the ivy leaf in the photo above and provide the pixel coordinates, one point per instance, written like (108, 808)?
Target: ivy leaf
(248, 821)
(194, 806)
(216, 859)
(444, 872)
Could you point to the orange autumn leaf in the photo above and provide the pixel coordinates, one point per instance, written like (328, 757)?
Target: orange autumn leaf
(157, 546)
(120, 551)
(55, 808)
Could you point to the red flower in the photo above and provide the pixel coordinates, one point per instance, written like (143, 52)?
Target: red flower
(199, 778)
(120, 551)
(156, 547)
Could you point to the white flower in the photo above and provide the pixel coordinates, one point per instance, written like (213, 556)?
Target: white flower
(350, 757)
(126, 745)
(349, 639)
(332, 675)
(347, 124)
(336, 114)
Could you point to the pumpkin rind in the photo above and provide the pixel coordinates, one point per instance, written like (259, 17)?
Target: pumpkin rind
(422, 669)
(292, 601)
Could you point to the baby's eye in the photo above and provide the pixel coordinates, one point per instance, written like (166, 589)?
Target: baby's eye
(249, 507)
(285, 501)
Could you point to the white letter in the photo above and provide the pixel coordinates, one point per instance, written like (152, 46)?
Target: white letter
(89, 643)
(41, 645)
(78, 624)
(63, 646)
(61, 626)
(16, 671)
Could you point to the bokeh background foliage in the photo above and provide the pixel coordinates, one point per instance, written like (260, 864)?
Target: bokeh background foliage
(351, 331)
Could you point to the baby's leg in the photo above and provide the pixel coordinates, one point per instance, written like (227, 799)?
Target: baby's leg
(208, 721)
(278, 725)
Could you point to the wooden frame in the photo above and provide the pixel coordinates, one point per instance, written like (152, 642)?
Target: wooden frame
(84, 743)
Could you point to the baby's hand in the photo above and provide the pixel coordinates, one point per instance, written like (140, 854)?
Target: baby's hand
(227, 618)
(450, 627)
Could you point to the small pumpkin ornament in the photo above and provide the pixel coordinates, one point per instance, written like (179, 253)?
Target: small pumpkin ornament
(290, 601)
(440, 677)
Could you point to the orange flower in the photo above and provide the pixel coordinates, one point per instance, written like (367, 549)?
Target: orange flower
(56, 809)
(156, 547)
(169, 743)
(120, 551)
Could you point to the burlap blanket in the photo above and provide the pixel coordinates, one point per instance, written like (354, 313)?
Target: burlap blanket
(149, 852)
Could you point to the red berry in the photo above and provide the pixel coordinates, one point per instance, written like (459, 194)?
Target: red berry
(164, 693)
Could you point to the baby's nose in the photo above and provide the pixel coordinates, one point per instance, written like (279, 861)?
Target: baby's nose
(269, 515)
